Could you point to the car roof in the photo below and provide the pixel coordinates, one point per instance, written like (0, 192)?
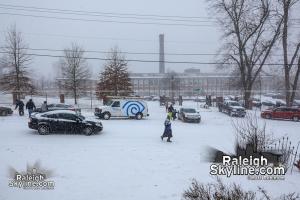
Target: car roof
(230, 101)
(188, 108)
(59, 112)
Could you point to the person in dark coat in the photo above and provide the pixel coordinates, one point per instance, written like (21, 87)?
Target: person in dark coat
(20, 105)
(168, 130)
(30, 107)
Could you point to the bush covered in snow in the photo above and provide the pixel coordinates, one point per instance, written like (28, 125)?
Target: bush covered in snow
(220, 191)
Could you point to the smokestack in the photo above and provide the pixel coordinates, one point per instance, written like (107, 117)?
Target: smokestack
(161, 54)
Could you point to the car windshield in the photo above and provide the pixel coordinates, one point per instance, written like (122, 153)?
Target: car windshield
(189, 110)
(234, 104)
(108, 103)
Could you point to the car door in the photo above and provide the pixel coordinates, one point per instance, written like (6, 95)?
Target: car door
(116, 109)
(278, 113)
(53, 121)
(67, 122)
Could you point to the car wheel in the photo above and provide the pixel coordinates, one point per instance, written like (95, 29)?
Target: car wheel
(295, 118)
(198, 121)
(43, 129)
(139, 116)
(106, 116)
(268, 116)
(87, 131)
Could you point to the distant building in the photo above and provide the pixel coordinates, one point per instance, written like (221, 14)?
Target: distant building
(190, 84)
(192, 71)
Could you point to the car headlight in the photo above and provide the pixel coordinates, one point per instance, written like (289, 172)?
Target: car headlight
(234, 110)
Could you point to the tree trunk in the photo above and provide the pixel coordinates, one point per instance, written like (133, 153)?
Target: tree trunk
(247, 96)
(285, 52)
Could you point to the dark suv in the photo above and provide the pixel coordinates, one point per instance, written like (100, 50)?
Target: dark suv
(287, 113)
(63, 121)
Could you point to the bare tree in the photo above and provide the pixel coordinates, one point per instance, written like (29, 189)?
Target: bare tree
(292, 64)
(251, 29)
(75, 71)
(114, 80)
(15, 76)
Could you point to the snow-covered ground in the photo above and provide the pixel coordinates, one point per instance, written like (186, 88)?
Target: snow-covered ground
(128, 160)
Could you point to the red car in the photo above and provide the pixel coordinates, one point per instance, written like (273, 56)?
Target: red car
(282, 113)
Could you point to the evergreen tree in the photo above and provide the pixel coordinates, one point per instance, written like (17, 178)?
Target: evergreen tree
(114, 80)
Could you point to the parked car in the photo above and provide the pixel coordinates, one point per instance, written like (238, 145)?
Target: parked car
(287, 113)
(63, 121)
(189, 115)
(4, 111)
(59, 106)
(128, 108)
(255, 102)
(232, 108)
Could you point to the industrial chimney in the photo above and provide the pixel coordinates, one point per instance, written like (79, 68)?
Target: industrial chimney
(161, 54)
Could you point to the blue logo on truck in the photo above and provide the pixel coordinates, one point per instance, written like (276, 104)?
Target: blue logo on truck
(133, 107)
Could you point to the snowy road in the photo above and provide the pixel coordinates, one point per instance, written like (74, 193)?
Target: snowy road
(127, 160)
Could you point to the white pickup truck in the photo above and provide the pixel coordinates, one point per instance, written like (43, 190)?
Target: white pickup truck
(128, 108)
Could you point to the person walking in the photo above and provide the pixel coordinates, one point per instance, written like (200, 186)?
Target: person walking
(171, 111)
(44, 107)
(30, 106)
(168, 130)
(20, 105)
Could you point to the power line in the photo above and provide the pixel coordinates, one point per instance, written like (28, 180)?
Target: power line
(144, 61)
(58, 11)
(110, 13)
(108, 21)
(113, 21)
(125, 52)
(133, 53)
(113, 13)
(106, 38)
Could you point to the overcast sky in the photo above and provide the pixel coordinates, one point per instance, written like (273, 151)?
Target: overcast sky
(96, 35)
(58, 34)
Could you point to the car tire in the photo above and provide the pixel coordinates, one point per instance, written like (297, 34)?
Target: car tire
(268, 116)
(139, 116)
(43, 129)
(87, 131)
(199, 121)
(295, 118)
(106, 115)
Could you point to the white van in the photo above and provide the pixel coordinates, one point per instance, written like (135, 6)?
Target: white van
(130, 108)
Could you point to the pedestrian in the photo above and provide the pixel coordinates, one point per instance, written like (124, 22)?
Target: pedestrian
(171, 111)
(44, 107)
(167, 106)
(20, 105)
(30, 106)
(168, 130)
